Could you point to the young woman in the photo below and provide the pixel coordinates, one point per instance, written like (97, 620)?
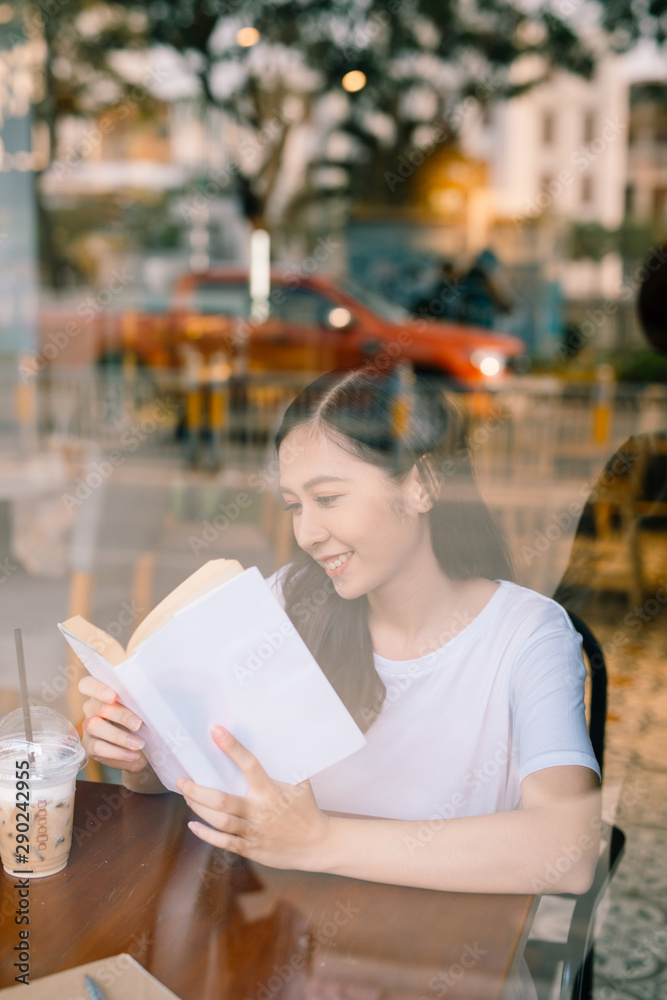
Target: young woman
(478, 773)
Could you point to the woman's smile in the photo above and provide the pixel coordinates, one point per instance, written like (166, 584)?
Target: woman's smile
(335, 565)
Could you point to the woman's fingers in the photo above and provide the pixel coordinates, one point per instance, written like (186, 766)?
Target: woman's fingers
(116, 712)
(109, 732)
(251, 767)
(107, 740)
(224, 822)
(110, 728)
(88, 685)
(104, 701)
(275, 823)
(224, 840)
(109, 751)
(104, 753)
(211, 798)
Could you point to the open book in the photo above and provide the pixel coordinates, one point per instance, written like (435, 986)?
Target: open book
(220, 649)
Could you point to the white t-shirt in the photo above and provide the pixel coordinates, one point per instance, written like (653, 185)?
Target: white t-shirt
(461, 727)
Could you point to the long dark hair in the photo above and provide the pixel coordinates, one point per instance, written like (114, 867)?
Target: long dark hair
(395, 420)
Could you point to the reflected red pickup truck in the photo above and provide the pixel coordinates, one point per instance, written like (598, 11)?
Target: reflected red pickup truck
(314, 323)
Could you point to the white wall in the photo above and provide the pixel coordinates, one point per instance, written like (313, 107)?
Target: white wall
(520, 159)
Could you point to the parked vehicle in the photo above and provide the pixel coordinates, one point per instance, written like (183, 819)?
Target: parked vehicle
(314, 323)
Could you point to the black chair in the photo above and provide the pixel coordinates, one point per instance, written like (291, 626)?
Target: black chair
(576, 982)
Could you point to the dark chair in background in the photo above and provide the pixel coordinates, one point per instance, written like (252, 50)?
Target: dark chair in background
(625, 517)
(544, 958)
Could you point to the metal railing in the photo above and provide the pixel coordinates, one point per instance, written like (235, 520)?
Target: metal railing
(530, 427)
(538, 445)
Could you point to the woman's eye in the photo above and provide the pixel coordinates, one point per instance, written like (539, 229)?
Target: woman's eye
(295, 508)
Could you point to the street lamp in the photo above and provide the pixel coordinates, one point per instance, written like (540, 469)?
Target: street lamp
(353, 81)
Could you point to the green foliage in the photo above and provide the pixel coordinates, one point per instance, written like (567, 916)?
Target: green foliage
(640, 366)
(422, 59)
(629, 20)
(634, 239)
(590, 240)
(137, 223)
(406, 48)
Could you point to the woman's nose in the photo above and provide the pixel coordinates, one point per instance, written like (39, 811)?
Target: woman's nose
(308, 529)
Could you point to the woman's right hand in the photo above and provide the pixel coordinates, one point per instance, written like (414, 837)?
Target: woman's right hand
(110, 729)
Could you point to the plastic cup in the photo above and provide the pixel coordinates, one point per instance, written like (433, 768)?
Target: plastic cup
(37, 785)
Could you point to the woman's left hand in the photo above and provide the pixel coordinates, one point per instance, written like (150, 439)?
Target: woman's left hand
(275, 824)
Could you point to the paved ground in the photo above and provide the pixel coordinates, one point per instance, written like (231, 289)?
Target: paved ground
(631, 955)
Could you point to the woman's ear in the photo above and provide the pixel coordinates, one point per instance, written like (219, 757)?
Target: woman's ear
(417, 493)
(424, 502)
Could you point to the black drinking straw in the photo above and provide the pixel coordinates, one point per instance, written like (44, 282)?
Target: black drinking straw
(27, 722)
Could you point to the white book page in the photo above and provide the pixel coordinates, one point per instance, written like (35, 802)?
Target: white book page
(234, 658)
(161, 732)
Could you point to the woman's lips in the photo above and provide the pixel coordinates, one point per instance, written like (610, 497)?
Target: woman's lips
(333, 571)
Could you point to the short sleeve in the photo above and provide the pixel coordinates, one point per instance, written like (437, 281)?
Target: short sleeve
(547, 699)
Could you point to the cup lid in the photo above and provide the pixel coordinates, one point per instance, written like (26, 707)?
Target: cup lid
(55, 745)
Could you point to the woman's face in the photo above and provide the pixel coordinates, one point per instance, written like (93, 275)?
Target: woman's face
(363, 527)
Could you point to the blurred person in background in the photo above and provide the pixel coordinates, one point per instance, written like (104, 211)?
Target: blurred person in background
(483, 295)
(442, 299)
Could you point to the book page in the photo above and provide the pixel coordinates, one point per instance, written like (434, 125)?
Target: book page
(95, 662)
(234, 658)
(211, 575)
(162, 731)
(96, 638)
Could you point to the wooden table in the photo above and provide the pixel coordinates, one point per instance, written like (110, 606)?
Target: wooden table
(210, 925)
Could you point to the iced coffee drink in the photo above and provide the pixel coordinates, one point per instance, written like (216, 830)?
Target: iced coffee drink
(37, 785)
(44, 847)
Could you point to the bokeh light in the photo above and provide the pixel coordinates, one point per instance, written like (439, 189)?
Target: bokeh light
(247, 37)
(353, 81)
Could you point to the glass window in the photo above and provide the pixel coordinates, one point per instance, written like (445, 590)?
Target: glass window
(548, 127)
(300, 305)
(659, 202)
(221, 299)
(586, 190)
(374, 301)
(589, 127)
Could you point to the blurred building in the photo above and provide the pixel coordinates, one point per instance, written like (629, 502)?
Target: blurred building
(557, 158)
(174, 152)
(560, 148)
(646, 187)
(18, 248)
(570, 156)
